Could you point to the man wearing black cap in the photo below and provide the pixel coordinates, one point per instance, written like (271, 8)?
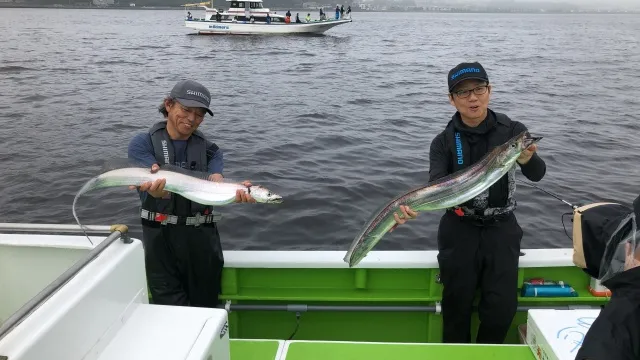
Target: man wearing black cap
(183, 254)
(479, 241)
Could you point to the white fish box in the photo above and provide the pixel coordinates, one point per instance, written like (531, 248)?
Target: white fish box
(558, 334)
(172, 333)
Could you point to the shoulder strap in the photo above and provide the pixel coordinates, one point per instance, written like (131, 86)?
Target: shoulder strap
(211, 147)
(162, 146)
(458, 147)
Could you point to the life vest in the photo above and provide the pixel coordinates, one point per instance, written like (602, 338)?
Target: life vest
(483, 205)
(198, 150)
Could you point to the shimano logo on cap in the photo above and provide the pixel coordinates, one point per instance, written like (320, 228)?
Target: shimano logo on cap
(199, 94)
(464, 71)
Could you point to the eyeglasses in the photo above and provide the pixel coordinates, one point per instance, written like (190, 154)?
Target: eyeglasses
(478, 90)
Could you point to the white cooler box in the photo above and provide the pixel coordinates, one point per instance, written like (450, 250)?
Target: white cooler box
(558, 334)
(171, 333)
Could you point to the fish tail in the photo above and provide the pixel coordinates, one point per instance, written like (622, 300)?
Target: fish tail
(347, 258)
(88, 186)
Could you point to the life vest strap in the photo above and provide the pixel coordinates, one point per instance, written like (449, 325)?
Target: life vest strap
(196, 220)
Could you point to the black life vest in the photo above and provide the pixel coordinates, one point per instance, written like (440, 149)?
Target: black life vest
(199, 152)
(493, 201)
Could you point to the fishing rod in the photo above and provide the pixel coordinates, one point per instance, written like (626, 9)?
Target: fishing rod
(549, 193)
(573, 207)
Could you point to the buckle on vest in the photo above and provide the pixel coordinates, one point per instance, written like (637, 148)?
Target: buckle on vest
(198, 220)
(458, 211)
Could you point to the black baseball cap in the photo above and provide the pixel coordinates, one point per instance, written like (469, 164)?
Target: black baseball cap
(466, 71)
(192, 94)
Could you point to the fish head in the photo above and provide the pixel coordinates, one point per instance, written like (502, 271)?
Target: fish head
(511, 150)
(263, 195)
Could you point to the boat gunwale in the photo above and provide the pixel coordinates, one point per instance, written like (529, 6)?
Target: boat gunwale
(384, 259)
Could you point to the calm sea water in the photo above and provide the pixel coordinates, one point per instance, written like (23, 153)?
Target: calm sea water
(337, 124)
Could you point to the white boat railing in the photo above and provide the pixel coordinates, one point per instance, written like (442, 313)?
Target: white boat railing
(54, 228)
(116, 232)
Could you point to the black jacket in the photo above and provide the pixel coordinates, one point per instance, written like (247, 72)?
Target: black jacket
(494, 131)
(615, 334)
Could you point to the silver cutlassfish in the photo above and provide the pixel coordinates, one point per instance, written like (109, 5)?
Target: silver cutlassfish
(443, 193)
(192, 185)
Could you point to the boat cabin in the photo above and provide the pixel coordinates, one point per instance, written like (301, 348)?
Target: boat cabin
(242, 11)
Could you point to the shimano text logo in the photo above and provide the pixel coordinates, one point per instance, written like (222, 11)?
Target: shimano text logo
(165, 151)
(464, 71)
(459, 149)
(198, 93)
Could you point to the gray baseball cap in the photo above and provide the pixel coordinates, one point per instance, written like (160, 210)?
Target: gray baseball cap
(192, 94)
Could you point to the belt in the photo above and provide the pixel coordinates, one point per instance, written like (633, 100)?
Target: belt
(485, 219)
(196, 220)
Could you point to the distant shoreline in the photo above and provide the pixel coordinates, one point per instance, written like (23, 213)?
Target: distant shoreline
(453, 11)
(38, 6)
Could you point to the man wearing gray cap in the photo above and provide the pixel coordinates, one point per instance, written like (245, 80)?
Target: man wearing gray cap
(479, 241)
(183, 254)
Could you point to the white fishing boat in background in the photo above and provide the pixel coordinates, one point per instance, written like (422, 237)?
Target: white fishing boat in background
(250, 17)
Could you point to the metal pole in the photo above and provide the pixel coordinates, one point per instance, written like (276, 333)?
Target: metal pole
(54, 228)
(28, 308)
(374, 308)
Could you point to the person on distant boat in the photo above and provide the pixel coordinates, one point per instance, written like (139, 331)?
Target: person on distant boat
(218, 17)
(479, 241)
(337, 12)
(268, 19)
(349, 11)
(287, 17)
(341, 11)
(183, 255)
(308, 18)
(298, 18)
(609, 251)
(189, 15)
(322, 16)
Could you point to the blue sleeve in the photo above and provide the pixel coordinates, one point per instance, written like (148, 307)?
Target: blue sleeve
(216, 164)
(141, 150)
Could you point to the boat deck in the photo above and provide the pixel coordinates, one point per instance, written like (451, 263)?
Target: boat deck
(388, 307)
(318, 350)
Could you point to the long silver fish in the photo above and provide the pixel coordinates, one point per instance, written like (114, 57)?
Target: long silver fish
(443, 193)
(189, 184)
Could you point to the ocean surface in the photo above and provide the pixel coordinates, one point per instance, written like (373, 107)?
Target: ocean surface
(337, 124)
